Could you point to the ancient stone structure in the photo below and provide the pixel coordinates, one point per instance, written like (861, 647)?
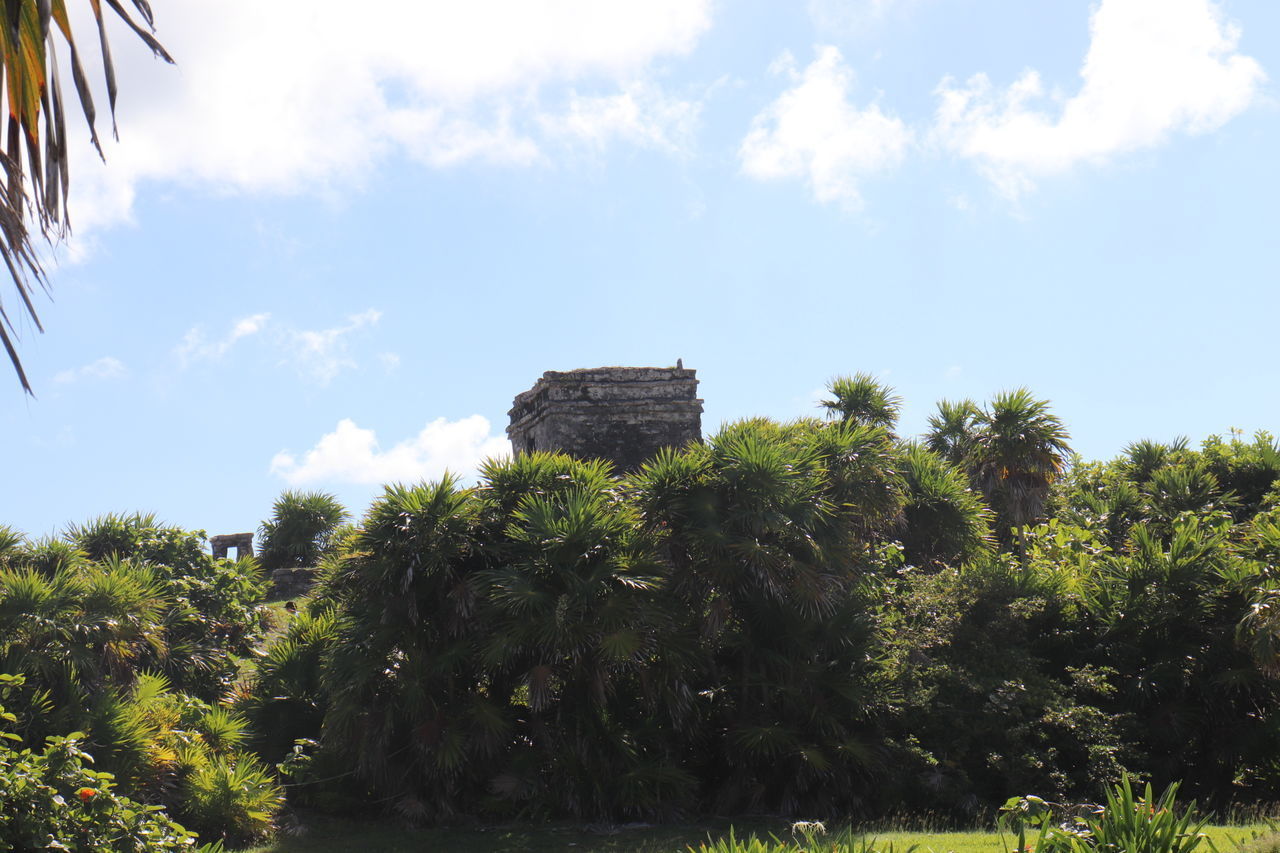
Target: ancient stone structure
(623, 414)
(291, 583)
(242, 542)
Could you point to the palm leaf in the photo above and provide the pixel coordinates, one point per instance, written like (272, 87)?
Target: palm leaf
(36, 180)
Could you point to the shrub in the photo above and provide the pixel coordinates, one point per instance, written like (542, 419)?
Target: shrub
(301, 529)
(232, 798)
(53, 801)
(1143, 824)
(809, 837)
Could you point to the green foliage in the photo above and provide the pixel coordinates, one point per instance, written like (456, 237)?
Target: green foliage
(108, 630)
(944, 520)
(52, 800)
(1019, 449)
(1143, 824)
(992, 688)
(49, 556)
(862, 399)
(287, 701)
(301, 530)
(952, 431)
(231, 798)
(808, 837)
(11, 543)
(812, 617)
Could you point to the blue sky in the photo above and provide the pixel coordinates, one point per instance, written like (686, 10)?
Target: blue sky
(326, 253)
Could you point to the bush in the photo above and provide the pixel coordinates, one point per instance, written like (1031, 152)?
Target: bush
(53, 801)
(232, 798)
(301, 529)
(1132, 824)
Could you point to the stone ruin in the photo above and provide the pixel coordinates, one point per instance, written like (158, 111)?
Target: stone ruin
(285, 583)
(622, 414)
(242, 542)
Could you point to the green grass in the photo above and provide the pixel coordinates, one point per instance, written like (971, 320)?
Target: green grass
(331, 835)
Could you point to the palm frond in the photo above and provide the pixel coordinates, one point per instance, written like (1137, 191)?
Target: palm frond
(37, 175)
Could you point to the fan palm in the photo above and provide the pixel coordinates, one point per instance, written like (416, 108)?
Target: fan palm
(952, 430)
(35, 158)
(1019, 449)
(1143, 458)
(301, 529)
(761, 528)
(401, 679)
(944, 520)
(576, 621)
(862, 399)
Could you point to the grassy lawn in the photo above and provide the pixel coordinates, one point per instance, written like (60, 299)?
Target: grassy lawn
(329, 835)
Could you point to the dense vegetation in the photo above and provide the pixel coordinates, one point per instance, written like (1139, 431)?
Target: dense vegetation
(815, 618)
(126, 639)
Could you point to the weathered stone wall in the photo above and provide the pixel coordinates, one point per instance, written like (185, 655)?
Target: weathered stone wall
(623, 414)
(291, 583)
(242, 542)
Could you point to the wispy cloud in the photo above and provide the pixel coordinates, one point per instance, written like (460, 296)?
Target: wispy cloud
(641, 114)
(196, 346)
(324, 353)
(814, 132)
(106, 367)
(317, 355)
(351, 454)
(1154, 68)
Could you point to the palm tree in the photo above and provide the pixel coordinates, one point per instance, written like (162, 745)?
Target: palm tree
(944, 520)
(1018, 450)
(952, 430)
(764, 529)
(301, 529)
(862, 399)
(35, 169)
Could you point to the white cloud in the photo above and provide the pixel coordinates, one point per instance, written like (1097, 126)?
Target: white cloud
(300, 95)
(1154, 68)
(641, 114)
(104, 368)
(322, 354)
(351, 454)
(316, 354)
(851, 18)
(195, 347)
(813, 131)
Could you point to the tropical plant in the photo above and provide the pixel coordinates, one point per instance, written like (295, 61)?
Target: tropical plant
(53, 799)
(808, 837)
(767, 549)
(1142, 824)
(286, 701)
(943, 520)
(1143, 458)
(301, 529)
(1248, 470)
(1019, 449)
(402, 684)
(231, 798)
(12, 542)
(36, 174)
(993, 688)
(863, 399)
(952, 430)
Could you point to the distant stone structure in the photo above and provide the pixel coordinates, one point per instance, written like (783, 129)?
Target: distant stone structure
(291, 583)
(622, 414)
(242, 542)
